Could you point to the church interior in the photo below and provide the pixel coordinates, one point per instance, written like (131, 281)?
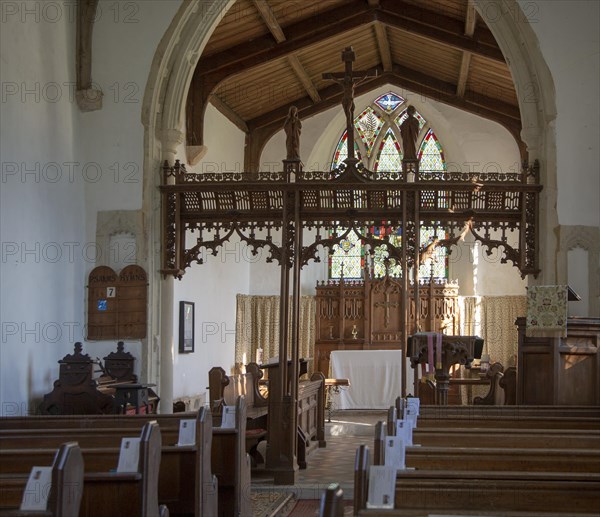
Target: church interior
(294, 247)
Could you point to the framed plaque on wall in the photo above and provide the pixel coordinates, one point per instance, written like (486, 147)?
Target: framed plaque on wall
(186, 327)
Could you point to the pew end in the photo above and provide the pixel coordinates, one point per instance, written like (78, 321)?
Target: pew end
(332, 502)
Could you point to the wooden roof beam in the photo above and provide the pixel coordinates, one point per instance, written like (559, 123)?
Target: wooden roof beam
(471, 19)
(342, 19)
(401, 77)
(229, 113)
(268, 16)
(298, 36)
(373, 3)
(304, 78)
(504, 114)
(435, 27)
(384, 47)
(470, 22)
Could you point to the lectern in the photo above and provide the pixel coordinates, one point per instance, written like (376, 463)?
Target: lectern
(454, 350)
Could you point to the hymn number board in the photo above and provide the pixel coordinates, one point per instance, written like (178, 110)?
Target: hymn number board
(117, 303)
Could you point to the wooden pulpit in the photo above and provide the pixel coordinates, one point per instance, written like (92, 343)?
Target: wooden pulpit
(454, 350)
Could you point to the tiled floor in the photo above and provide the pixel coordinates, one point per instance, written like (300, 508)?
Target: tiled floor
(335, 462)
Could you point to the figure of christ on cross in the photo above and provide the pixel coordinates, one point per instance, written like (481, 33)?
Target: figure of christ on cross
(349, 79)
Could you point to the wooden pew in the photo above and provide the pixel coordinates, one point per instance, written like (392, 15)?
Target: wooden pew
(311, 406)
(231, 464)
(226, 389)
(67, 485)
(508, 422)
(184, 471)
(186, 483)
(105, 492)
(450, 491)
(478, 458)
(511, 411)
(472, 436)
(332, 502)
(500, 438)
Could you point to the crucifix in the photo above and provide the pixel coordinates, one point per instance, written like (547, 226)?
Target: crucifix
(387, 306)
(349, 79)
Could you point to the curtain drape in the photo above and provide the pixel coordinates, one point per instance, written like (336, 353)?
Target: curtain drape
(492, 318)
(257, 326)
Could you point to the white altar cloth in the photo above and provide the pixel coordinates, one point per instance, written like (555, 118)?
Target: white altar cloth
(375, 377)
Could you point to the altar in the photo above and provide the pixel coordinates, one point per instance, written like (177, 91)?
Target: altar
(375, 377)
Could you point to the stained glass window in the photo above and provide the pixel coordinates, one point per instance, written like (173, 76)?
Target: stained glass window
(381, 253)
(368, 124)
(347, 258)
(341, 151)
(376, 127)
(437, 265)
(389, 102)
(403, 116)
(390, 156)
(431, 155)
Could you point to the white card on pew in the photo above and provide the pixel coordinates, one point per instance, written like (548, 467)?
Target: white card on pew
(395, 452)
(187, 432)
(410, 414)
(414, 402)
(129, 456)
(228, 420)
(37, 490)
(382, 486)
(404, 430)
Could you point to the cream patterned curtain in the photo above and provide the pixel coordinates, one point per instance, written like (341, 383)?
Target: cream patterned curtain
(492, 318)
(257, 326)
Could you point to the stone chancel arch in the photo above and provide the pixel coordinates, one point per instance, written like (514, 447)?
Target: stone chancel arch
(163, 117)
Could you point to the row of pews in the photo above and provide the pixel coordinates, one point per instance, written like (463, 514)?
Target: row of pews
(514, 461)
(225, 388)
(210, 478)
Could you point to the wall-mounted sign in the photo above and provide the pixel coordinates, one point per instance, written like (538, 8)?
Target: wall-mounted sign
(117, 304)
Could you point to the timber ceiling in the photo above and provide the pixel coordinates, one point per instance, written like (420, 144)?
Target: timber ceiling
(267, 55)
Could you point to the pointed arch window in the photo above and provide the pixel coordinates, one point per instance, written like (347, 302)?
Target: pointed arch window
(341, 151)
(347, 258)
(431, 154)
(368, 125)
(377, 128)
(389, 157)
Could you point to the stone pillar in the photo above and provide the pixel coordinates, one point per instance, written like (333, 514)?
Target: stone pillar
(172, 139)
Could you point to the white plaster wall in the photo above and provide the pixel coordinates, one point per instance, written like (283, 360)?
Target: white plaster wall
(569, 36)
(212, 286)
(265, 277)
(126, 35)
(225, 143)
(42, 273)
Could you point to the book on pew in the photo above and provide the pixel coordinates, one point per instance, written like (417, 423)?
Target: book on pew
(395, 452)
(37, 489)
(187, 432)
(129, 456)
(382, 486)
(404, 429)
(228, 420)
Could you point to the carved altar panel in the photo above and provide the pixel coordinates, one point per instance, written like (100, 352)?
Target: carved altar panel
(358, 315)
